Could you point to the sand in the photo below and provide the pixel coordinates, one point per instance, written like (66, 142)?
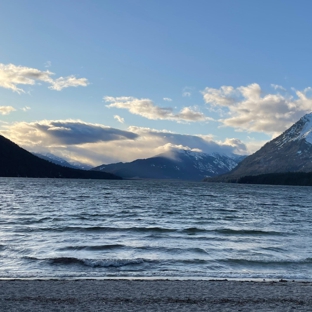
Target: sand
(154, 295)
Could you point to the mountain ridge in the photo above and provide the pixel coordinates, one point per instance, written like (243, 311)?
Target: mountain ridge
(175, 164)
(289, 152)
(17, 162)
(62, 162)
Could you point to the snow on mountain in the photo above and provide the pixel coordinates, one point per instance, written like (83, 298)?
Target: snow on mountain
(62, 162)
(289, 152)
(299, 131)
(177, 164)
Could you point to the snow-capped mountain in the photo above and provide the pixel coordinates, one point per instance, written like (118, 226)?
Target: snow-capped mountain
(62, 162)
(289, 152)
(301, 130)
(176, 164)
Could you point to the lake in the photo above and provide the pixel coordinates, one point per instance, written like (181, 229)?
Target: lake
(153, 229)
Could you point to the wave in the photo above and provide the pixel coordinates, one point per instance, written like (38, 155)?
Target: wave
(193, 230)
(93, 263)
(99, 229)
(95, 247)
(246, 232)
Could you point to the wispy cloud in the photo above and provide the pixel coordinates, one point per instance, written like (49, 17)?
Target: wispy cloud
(187, 91)
(5, 110)
(146, 108)
(48, 64)
(277, 87)
(119, 119)
(12, 76)
(26, 108)
(65, 82)
(249, 108)
(167, 99)
(186, 94)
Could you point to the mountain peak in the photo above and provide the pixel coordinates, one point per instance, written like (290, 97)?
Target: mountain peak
(289, 152)
(178, 164)
(302, 129)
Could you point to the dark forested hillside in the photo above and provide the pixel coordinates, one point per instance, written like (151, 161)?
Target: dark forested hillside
(287, 178)
(17, 162)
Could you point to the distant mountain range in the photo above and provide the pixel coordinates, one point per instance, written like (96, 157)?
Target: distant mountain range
(286, 159)
(289, 152)
(62, 162)
(17, 162)
(176, 164)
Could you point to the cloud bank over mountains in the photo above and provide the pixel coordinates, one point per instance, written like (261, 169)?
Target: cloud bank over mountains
(97, 144)
(247, 108)
(12, 76)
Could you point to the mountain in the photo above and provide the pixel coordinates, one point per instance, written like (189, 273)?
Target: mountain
(17, 162)
(62, 162)
(176, 164)
(279, 178)
(289, 152)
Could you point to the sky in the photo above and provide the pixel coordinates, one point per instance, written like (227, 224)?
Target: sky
(117, 80)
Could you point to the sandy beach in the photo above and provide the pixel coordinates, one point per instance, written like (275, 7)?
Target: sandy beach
(154, 295)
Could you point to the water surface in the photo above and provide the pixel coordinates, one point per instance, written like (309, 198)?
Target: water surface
(103, 229)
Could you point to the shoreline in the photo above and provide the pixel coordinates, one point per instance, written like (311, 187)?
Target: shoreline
(158, 278)
(154, 295)
(148, 278)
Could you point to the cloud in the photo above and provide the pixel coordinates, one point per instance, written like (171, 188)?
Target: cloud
(64, 132)
(204, 143)
(97, 144)
(26, 108)
(119, 119)
(65, 82)
(186, 92)
(5, 110)
(146, 108)
(277, 87)
(167, 99)
(11, 76)
(48, 64)
(249, 108)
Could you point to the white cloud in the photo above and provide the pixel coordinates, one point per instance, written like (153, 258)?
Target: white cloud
(11, 76)
(204, 143)
(26, 108)
(167, 99)
(5, 110)
(64, 133)
(146, 108)
(97, 144)
(119, 119)
(65, 82)
(248, 108)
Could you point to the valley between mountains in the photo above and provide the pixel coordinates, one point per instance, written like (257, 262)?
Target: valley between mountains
(286, 159)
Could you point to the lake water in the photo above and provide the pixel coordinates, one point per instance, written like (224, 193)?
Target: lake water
(153, 229)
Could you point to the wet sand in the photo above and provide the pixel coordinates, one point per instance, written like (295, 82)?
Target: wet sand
(154, 295)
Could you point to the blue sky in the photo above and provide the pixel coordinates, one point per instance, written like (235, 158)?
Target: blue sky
(106, 81)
